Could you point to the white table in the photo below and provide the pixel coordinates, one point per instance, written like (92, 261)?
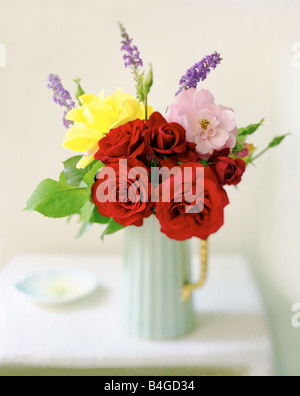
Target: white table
(231, 332)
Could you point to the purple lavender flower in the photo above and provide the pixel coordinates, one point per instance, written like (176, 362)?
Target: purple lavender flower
(62, 97)
(132, 54)
(133, 61)
(199, 72)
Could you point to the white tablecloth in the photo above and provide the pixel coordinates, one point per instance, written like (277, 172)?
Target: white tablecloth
(231, 331)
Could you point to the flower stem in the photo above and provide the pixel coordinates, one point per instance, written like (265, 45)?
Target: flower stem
(260, 154)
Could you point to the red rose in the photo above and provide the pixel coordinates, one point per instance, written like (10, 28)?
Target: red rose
(123, 193)
(229, 171)
(168, 140)
(216, 154)
(123, 142)
(178, 218)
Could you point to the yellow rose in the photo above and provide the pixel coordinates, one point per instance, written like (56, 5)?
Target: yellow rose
(94, 119)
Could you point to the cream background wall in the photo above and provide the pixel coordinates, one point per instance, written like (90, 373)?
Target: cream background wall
(257, 78)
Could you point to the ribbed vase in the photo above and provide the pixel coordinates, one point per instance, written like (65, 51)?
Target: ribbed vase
(154, 271)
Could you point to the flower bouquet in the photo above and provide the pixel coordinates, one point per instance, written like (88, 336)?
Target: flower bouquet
(165, 172)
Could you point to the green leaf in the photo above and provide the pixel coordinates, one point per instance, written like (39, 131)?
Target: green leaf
(62, 178)
(112, 228)
(249, 130)
(241, 139)
(83, 229)
(89, 178)
(73, 175)
(56, 200)
(88, 216)
(78, 91)
(85, 215)
(148, 82)
(204, 162)
(277, 140)
(96, 217)
(86, 212)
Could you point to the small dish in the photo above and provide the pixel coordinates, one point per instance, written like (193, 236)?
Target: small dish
(58, 287)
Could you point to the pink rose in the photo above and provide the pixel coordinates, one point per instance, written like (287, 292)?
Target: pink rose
(210, 126)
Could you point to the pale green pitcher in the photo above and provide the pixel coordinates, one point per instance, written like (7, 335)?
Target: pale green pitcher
(155, 269)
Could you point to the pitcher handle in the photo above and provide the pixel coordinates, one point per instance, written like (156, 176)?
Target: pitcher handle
(188, 288)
